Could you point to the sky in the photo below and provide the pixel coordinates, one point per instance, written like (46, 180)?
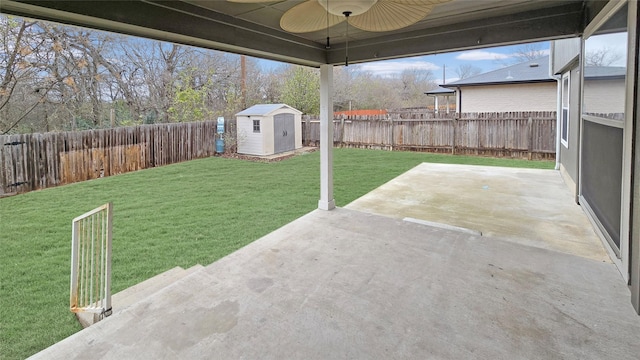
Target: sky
(485, 59)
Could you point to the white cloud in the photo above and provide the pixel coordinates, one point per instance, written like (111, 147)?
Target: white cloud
(481, 55)
(389, 68)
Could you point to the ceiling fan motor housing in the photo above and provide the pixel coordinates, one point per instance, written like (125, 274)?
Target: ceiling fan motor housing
(354, 7)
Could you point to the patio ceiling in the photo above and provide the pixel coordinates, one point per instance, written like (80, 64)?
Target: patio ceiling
(253, 29)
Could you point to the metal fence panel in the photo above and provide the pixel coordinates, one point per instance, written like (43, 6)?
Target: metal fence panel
(91, 262)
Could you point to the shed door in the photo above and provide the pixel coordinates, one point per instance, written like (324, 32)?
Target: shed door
(284, 132)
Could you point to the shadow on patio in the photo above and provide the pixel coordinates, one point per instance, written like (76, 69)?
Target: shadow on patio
(351, 284)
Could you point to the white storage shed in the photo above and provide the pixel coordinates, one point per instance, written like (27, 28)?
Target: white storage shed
(267, 129)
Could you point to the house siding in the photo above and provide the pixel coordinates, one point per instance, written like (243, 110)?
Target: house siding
(563, 53)
(267, 134)
(604, 96)
(248, 141)
(509, 97)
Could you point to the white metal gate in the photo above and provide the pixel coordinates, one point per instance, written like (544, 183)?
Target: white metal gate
(91, 262)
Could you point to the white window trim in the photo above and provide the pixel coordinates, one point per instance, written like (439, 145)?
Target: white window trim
(567, 76)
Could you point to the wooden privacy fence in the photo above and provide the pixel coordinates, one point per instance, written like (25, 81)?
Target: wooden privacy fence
(511, 134)
(37, 161)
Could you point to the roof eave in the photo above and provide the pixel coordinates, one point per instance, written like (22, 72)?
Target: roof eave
(454, 86)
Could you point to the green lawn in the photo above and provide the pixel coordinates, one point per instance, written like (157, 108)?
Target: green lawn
(177, 215)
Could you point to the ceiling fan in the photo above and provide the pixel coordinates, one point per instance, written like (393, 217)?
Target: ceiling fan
(367, 15)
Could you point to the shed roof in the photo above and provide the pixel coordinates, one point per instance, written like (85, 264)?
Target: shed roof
(531, 71)
(265, 109)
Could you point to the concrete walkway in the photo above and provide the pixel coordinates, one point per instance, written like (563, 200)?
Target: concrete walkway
(347, 284)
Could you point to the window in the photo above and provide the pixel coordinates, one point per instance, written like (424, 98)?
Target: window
(564, 121)
(256, 126)
(605, 62)
(603, 160)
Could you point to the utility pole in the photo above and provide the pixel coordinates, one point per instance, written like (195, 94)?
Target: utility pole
(444, 77)
(243, 81)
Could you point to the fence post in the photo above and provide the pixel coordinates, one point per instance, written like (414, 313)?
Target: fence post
(307, 131)
(342, 131)
(454, 123)
(530, 132)
(392, 133)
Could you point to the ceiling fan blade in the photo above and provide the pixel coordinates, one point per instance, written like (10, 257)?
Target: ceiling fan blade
(251, 1)
(307, 17)
(417, 2)
(388, 15)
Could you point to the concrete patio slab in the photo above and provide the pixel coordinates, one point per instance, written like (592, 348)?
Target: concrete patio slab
(529, 206)
(348, 284)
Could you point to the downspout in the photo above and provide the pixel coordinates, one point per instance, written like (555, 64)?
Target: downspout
(558, 103)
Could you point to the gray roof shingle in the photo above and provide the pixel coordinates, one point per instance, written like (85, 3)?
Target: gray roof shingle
(440, 91)
(591, 72)
(536, 70)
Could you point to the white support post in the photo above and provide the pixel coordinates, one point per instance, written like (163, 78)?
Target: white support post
(326, 201)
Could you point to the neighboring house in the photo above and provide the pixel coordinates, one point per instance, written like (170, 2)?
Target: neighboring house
(523, 87)
(448, 95)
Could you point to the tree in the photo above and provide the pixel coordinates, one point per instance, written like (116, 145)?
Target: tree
(528, 52)
(343, 87)
(271, 86)
(413, 84)
(467, 70)
(80, 52)
(157, 67)
(189, 103)
(524, 53)
(375, 92)
(301, 89)
(602, 57)
(22, 89)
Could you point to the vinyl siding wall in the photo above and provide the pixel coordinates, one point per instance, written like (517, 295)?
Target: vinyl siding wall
(509, 97)
(604, 96)
(248, 141)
